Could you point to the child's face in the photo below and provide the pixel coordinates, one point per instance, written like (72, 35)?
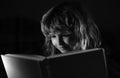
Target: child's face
(61, 40)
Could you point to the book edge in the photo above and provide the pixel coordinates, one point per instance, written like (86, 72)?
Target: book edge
(72, 53)
(30, 57)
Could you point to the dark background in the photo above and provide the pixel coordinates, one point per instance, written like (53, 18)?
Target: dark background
(20, 25)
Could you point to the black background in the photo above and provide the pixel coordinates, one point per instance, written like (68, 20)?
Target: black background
(20, 25)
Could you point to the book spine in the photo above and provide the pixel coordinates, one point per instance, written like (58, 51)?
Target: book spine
(45, 68)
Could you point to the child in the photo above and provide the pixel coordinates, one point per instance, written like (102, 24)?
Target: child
(66, 28)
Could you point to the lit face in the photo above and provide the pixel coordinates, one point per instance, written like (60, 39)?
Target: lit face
(61, 41)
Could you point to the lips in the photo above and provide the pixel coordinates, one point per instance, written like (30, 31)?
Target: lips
(63, 48)
(60, 47)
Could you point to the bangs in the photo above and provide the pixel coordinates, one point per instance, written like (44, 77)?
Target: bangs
(63, 22)
(65, 19)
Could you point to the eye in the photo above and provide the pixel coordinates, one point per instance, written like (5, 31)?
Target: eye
(66, 34)
(53, 36)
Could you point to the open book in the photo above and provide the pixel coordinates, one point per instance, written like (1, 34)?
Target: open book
(78, 64)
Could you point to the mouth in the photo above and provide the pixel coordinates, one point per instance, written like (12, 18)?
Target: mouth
(62, 48)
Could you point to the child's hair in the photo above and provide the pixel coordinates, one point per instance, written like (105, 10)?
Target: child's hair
(70, 17)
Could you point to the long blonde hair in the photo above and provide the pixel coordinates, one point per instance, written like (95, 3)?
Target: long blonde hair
(69, 16)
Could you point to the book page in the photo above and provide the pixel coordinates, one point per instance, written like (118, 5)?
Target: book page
(27, 56)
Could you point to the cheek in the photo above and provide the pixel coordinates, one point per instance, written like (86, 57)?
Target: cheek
(54, 42)
(66, 40)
